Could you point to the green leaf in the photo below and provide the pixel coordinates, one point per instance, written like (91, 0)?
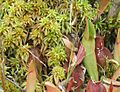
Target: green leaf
(88, 42)
(90, 32)
(117, 48)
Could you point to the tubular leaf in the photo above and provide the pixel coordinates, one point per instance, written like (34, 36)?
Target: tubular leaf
(117, 48)
(88, 42)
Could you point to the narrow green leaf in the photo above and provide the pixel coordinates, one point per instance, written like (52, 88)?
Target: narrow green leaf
(88, 42)
(117, 48)
(90, 32)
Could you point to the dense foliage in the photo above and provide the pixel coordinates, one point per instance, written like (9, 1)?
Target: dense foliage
(35, 28)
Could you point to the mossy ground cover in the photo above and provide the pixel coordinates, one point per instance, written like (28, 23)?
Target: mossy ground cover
(32, 30)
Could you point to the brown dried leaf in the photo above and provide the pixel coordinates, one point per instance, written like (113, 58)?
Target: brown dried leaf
(69, 44)
(31, 78)
(51, 87)
(80, 54)
(102, 6)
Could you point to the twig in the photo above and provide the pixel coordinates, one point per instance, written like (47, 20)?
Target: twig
(35, 57)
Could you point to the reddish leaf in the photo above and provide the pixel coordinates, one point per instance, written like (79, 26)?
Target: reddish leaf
(80, 54)
(101, 51)
(31, 78)
(51, 87)
(78, 75)
(70, 84)
(95, 87)
(77, 79)
(101, 55)
(107, 53)
(111, 87)
(99, 45)
(99, 42)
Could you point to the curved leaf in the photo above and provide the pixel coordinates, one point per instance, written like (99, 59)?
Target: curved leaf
(80, 54)
(69, 44)
(95, 87)
(101, 51)
(51, 87)
(88, 42)
(117, 48)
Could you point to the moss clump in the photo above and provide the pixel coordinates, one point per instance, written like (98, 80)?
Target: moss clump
(58, 73)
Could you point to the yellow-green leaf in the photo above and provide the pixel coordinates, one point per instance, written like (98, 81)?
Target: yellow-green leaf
(88, 42)
(117, 48)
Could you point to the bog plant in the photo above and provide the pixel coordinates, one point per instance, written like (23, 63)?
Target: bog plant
(41, 24)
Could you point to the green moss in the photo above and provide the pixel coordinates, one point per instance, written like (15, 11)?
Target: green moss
(11, 87)
(58, 73)
(25, 24)
(56, 55)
